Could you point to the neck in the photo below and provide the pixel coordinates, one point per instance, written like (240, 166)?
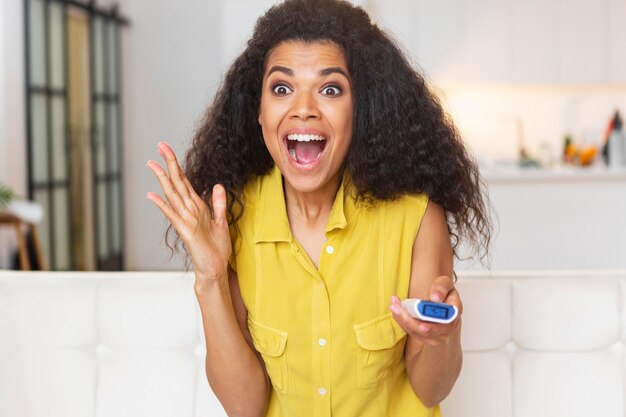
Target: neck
(311, 207)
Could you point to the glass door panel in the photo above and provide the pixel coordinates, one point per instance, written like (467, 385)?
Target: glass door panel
(61, 228)
(36, 45)
(114, 129)
(43, 229)
(99, 139)
(113, 57)
(39, 137)
(74, 149)
(59, 145)
(47, 125)
(97, 31)
(56, 41)
(102, 220)
(116, 218)
(106, 150)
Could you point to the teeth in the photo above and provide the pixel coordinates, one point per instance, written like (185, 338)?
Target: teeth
(292, 153)
(305, 138)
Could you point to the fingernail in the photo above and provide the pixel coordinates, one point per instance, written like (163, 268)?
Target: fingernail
(395, 309)
(435, 297)
(424, 328)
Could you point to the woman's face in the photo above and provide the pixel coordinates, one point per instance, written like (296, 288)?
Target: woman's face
(306, 113)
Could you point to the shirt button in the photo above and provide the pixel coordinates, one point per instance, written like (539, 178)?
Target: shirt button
(322, 391)
(329, 249)
(322, 342)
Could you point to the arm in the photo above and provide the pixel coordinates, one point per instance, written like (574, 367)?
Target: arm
(234, 369)
(433, 353)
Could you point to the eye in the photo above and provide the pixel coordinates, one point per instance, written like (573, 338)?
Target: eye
(331, 90)
(281, 89)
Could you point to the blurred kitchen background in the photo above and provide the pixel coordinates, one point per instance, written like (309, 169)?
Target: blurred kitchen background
(88, 88)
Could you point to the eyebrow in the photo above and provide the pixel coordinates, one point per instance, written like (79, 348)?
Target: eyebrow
(324, 72)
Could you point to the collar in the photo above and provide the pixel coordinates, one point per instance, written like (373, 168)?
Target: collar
(272, 223)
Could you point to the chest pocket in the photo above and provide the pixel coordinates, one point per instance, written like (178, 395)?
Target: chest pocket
(378, 349)
(271, 343)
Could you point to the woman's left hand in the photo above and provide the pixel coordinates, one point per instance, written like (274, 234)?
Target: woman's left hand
(442, 291)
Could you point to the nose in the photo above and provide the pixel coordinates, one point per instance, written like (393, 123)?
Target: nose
(304, 106)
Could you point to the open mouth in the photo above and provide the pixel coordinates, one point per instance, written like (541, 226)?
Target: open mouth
(305, 148)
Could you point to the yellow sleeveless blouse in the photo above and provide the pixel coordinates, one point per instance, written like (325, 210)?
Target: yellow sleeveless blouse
(328, 340)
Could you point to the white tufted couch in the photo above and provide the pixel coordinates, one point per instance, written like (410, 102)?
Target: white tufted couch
(131, 344)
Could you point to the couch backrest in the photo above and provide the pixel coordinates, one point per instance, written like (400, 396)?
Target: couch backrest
(541, 344)
(131, 344)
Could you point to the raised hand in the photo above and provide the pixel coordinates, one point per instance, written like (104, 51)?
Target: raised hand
(206, 237)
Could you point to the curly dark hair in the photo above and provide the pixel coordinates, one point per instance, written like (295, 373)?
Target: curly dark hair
(403, 142)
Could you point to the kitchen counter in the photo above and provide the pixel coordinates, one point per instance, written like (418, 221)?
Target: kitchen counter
(514, 173)
(567, 218)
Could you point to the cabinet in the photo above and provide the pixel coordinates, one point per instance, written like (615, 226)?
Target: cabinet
(439, 47)
(582, 41)
(398, 18)
(509, 41)
(487, 40)
(617, 41)
(533, 41)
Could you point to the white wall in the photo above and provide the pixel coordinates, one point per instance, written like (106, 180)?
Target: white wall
(171, 68)
(12, 125)
(2, 94)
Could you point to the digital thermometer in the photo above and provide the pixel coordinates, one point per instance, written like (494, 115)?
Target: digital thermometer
(430, 310)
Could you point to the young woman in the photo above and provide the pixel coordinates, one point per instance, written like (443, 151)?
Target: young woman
(324, 185)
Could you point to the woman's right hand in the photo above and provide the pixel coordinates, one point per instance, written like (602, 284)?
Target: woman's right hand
(206, 238)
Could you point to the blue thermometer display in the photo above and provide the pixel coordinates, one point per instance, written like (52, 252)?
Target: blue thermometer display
(430, 310)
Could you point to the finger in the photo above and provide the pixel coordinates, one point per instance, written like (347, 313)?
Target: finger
(440, 289)
(410, 325)
(175, 172)
(454, 298)
(170, 214)
(219, 204)
(194, 195)
(168, 188)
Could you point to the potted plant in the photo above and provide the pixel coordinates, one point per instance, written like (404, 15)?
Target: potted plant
(6, 195)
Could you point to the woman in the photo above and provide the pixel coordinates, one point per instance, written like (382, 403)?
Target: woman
(324, 184)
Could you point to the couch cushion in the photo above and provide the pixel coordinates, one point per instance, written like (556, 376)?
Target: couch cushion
(147, 383)
(483, 388)
(568, 384)
(156, 313)
(486, 313)
(47, 311)
(566, 314)
(38, 381)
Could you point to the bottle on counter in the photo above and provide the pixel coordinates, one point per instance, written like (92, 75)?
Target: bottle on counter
(616, 144)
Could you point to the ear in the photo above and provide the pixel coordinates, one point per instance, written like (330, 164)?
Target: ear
(259, 119)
